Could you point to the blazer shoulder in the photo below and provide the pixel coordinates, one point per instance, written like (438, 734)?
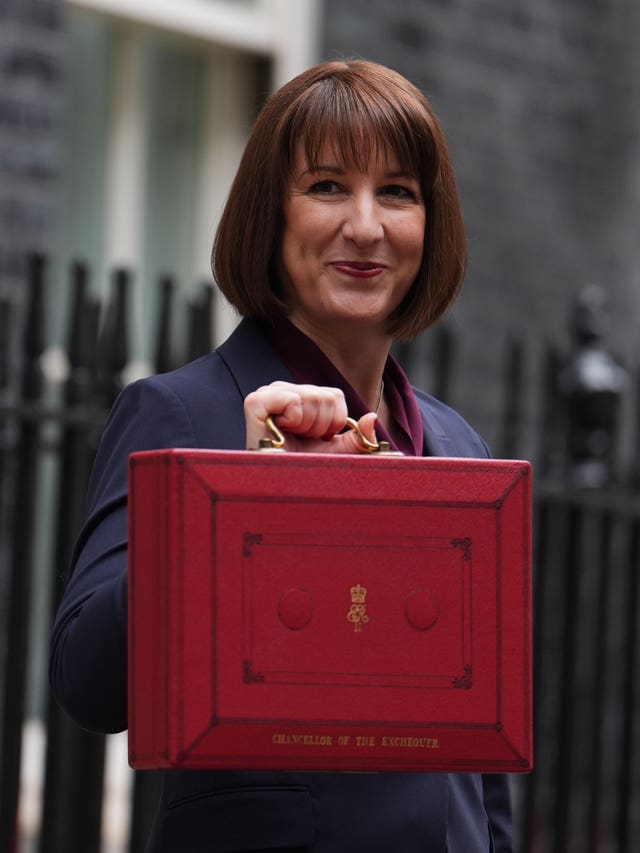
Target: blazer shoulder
(239, 365)
(447, 432)
(197, 405)
(195, 378)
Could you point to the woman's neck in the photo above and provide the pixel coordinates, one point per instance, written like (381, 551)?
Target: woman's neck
(360, 358)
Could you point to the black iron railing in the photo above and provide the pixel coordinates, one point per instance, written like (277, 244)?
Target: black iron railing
(583, 793)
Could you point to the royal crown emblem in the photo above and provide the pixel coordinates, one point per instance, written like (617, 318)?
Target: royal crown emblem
(357, 612)
(358, 594)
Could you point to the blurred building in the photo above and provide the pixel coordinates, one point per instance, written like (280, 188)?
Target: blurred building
(123, 124)
(541, 106)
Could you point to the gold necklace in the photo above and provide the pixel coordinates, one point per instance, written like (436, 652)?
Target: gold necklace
(380, 395)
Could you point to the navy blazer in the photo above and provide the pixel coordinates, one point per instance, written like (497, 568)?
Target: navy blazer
(200, 405)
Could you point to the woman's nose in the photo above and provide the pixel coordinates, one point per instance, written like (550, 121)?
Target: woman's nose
(363, 221)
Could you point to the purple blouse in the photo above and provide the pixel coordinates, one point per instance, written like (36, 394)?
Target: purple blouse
(309, 365)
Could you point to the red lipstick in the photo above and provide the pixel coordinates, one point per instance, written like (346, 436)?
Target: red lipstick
(358, 269)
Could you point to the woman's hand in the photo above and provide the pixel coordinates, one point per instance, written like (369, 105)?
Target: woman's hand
(309, 416)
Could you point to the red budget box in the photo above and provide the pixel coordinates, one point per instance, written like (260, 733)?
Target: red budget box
(307, 611)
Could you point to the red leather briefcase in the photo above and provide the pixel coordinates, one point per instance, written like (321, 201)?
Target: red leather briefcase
(324, 612)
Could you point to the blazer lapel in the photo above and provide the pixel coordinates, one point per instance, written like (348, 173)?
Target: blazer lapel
(250, 359)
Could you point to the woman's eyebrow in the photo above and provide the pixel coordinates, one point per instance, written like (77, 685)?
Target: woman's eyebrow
(340, 170)
(322, 167)
(334, 169)
(401, 173)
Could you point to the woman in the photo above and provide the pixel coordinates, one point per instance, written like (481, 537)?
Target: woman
(342, 233)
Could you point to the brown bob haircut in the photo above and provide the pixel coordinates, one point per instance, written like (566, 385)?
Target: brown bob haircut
(361, 109)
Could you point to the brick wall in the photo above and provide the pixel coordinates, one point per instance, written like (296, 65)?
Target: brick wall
(541, 105)
(31, 80)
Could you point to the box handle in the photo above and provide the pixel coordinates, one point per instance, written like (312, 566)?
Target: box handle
(276, 440)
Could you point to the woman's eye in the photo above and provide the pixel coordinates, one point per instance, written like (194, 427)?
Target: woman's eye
(397, 191)
(324, 188)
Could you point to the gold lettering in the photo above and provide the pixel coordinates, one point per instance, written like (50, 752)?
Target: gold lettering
(360, 741)
(281, 739)
(411, 742)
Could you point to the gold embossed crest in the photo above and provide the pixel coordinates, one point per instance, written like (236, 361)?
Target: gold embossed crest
(358, 610)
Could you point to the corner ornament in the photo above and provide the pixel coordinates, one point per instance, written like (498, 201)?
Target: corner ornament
(465, 682)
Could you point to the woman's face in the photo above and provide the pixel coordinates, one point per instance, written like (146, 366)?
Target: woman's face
(352, 243)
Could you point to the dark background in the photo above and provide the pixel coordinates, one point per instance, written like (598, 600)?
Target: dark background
(541, 106)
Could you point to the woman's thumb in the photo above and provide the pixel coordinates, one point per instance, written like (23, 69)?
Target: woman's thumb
(352, 441)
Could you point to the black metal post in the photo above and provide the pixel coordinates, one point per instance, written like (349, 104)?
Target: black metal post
(633, 478)
(5, 315)
(5, 320)
(627, 840)
(535, 781)
(113, 342)
(21, 574)
(200, 322)
(596, 745)
(562, 807)
(74, 758)
(163, 360)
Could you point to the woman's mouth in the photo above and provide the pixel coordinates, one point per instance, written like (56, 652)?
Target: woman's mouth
(359, 269)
